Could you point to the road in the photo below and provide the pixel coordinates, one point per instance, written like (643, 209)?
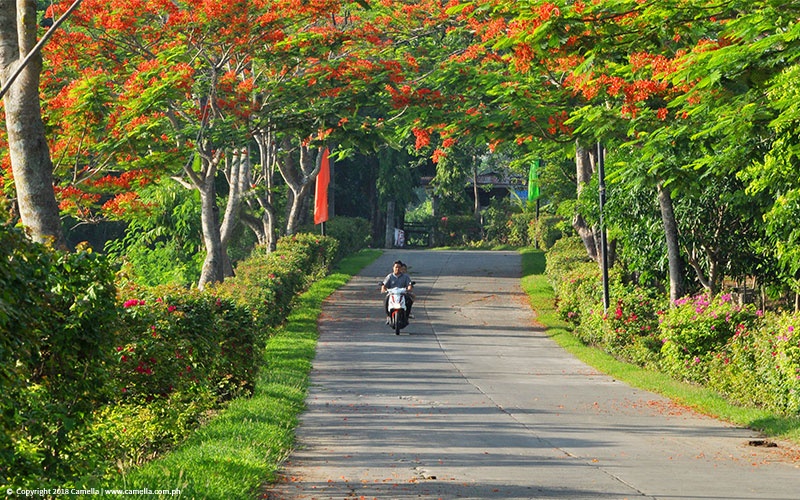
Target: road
(473, 400)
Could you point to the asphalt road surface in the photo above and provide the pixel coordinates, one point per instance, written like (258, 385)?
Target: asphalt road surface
(473, 400)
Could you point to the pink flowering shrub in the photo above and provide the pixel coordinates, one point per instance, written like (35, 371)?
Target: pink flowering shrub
(749, 357)
(761, 367)
(778, 355)
(696, 329)
(179, 352)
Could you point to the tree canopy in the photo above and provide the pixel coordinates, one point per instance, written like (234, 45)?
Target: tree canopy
(693, 102)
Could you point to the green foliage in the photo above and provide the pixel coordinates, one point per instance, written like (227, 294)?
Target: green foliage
(575, 279)
(352, 233)
(395, 180)
(456, 230)
(504, 223)
(56, 312)
(263, 282)
(267, 282)
(496, 218)
(548, 229)
(312, 253)
(520, 227)
(720, 217)
(636, 223)
(161, 245)
(422, 212)
(130, 433)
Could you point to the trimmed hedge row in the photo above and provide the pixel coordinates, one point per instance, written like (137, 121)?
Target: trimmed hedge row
(95, 380)
(352, 233)
(751, 357)
(267, 282)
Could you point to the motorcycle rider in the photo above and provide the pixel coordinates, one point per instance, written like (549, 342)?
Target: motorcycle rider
(397, 278)
(410, 296)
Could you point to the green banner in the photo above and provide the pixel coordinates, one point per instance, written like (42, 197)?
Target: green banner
(533, 181)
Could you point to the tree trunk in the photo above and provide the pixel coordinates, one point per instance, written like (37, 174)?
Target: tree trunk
(706, 280)
(202, 179)
(389, 240)
(712, 277)
(213, 265)
(676, 285)
(237, 172)
(300, 178)
(30, 155)
(263, 200)
(584, 165)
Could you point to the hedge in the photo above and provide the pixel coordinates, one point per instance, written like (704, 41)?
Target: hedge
(96, 377)
(750, 356)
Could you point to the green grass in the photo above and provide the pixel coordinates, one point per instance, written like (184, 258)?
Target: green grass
(535, 284)
(241, 448)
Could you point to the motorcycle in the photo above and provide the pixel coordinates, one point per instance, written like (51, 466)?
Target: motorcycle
(398, 313)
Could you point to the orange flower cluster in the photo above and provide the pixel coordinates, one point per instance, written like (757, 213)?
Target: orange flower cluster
(548, 10)
(123, 181)
(423, 137)
(438, 155)
(74, 201)
(557, 124)
(126, 203)
(406, 96)
(659, 65)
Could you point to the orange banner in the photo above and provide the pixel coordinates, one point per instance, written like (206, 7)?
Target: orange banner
(321, 192)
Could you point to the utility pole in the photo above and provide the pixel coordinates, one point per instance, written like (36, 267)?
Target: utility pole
(601, 174)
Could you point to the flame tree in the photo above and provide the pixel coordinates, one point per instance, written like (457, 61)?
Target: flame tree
(575, 73)
(160, 89)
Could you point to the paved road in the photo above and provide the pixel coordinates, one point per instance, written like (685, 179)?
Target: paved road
(473, 400)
